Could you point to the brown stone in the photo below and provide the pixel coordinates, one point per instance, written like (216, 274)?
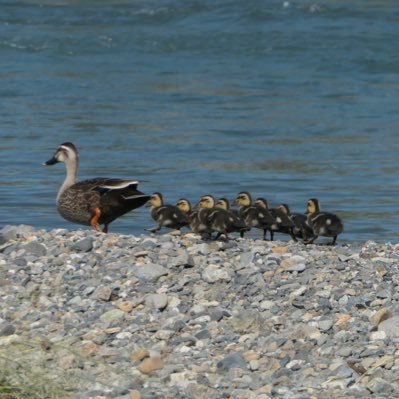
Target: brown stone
(66, 362)
(343, 319)
(135, 394)
(104, 293)
(280, 250)
(251, 355)
(88, 348)
(381, 270)
(126, 306)
(139, 355)
(379, 316)
(113, 330)
(150, 364)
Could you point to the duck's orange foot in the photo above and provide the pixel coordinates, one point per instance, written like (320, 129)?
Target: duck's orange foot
(95, 218)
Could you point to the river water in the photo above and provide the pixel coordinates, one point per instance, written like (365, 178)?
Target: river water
(288, 100)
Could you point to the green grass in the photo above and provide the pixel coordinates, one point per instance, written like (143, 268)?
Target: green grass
(27, 373)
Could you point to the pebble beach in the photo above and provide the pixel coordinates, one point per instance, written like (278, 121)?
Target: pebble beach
(170, 315)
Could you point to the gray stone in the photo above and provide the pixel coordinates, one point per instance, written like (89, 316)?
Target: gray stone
(232, 361)
(213, 273)
(203, 334)
(34, 248)
(8, 233)
(343, 372)
(383, 294)
(84, 245)
(112, 316)
(149, 272)
(6, 329)
(390, 327)
(379, 385)
(247, 258)
(325, 325)
(157, 301)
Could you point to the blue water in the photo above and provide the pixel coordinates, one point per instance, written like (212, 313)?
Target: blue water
(287, 100)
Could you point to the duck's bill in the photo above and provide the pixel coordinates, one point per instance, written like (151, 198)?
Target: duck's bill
(51, 161)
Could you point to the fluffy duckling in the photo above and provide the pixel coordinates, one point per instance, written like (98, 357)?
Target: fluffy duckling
(201, 223)
(254, 215)
(224, 203)
(283, 223)
(301, 228)
(166, 215)
(185, 206)
(218, 219)
(323, 223)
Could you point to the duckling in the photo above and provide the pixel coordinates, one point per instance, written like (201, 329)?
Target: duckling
(301, 228)
(218, 219)
(166, 215)
(200, 221)
(323, 223)
(283, 223)
(224, 203)
(185, 206)
(254, 215)
(95, 201)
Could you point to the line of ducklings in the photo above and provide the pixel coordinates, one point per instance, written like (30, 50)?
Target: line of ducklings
(211, 215)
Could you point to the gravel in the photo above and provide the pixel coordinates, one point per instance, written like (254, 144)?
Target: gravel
(173, 316)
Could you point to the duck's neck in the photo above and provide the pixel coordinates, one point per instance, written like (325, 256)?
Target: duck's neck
(71, 176)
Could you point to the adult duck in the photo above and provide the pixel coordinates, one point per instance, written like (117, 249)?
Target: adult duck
(93, 202)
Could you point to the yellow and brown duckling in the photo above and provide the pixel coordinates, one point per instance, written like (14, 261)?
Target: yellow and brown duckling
(253, 214)
(283, 223)
(238, 221)
(323, 223)
(94, 202)
(219, 219)
(200, 222)
(301, 227)
(185, 206)
(166, 215)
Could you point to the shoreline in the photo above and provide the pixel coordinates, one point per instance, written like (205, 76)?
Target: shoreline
(169, 315)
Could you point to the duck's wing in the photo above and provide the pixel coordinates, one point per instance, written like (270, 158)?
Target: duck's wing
(103, 185)
(126, 189)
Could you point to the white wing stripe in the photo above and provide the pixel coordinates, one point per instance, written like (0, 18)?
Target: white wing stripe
(120, 185)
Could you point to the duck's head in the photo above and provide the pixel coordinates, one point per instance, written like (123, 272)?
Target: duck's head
(66, 152)
(262, 202)
(284, 208)
(313, 206)
(155, 201)
(223, 203)
(184, 205)
(206, 201)
(243, 199)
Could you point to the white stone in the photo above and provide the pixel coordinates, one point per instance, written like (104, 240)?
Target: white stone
(214, 273)
(378, 335)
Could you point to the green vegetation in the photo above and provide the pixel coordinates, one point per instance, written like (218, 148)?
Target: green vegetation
(26, 373)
